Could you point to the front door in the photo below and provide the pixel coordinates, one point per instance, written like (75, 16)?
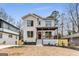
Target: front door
(39, 35)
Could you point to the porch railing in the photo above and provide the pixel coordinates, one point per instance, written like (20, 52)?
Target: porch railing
(49, 41)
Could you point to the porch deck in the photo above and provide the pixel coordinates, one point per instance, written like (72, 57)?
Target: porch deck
(47, 41)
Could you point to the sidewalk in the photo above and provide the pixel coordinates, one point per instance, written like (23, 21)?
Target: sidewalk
(6, 46)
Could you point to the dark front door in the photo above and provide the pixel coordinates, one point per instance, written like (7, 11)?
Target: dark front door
(39, 35)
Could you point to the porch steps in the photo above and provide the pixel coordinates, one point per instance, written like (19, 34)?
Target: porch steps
(39, 42)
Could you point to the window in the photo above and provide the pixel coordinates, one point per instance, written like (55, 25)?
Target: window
(29, 22)
(0, 35)
(39, 22)
(10, 35)
(48, 34)
(30, 33)
(0, 24)
(48, 23)
(16, 37)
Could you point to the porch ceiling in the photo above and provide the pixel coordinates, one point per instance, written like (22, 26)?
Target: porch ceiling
(46, 28)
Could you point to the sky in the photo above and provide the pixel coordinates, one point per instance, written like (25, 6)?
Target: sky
(17, 10)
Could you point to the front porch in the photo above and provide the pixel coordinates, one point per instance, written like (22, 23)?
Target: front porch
(46, 36)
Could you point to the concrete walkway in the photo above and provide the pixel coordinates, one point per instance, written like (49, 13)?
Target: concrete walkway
(6, 46)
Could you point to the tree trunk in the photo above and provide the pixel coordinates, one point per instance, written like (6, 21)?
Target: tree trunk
(73, 29)
(78, 28)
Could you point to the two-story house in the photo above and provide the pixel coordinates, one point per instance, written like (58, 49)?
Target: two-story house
(37, 29)
(9, 33)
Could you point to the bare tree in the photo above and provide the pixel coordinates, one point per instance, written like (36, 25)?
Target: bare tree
(62, 23)
(10, 20)
(19, 25)
(73, 15)
(3, 14)
(68, 29)
(55, 14)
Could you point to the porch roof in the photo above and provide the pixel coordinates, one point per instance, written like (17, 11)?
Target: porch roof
(76, 35)
(46, 28)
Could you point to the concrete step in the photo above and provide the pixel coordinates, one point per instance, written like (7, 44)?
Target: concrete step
(39, 42)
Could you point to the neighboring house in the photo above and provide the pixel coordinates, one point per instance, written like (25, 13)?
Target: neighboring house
(73, 39)
(38, 30)
(9, 33)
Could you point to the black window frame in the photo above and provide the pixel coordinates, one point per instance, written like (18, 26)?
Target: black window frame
(30, 34)
(1, 24)
(30, 23)
(10, 36)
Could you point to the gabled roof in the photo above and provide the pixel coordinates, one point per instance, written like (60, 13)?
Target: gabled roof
(50, 17)
(37, 16)
(32, 14)
(9, 23)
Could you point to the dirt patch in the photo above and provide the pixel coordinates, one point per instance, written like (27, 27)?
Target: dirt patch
(32, 50)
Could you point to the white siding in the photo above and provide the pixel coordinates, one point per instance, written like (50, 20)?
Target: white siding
(25, 29)
(43, 23)
(6, 30)
(7, 39)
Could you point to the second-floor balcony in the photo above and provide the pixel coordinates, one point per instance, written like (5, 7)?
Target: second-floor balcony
(46, 23)
(8, 31)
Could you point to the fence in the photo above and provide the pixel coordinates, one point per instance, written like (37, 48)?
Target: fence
(57, 42)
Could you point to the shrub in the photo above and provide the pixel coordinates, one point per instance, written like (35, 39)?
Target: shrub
(4, 42)
(49, 43)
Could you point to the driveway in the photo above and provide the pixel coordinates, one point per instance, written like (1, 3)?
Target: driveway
(32, 50)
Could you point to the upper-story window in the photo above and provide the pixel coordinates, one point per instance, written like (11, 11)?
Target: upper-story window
(48, 23)
(29, 23)
(39, 22)
(0, 24)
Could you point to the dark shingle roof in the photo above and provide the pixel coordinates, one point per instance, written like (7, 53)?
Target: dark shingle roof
(9, 23)
(33, 14)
